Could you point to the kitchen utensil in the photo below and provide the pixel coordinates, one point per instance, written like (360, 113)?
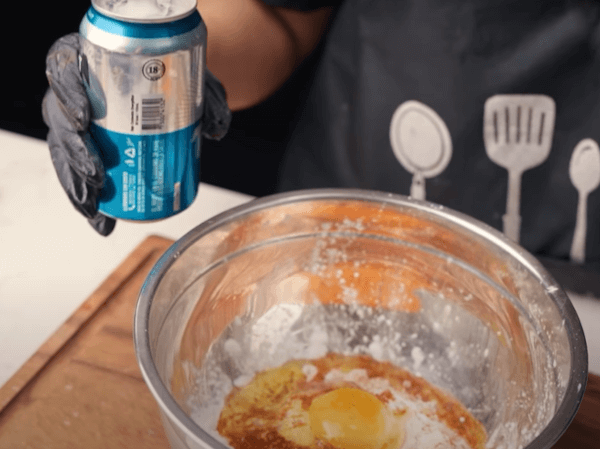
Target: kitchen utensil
(584, 171)
(421, 143)
(517, 133)
(492, 327)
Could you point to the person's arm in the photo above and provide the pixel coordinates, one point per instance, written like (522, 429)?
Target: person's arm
(253, 48)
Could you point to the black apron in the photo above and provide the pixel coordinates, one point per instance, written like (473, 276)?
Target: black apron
(452, 56)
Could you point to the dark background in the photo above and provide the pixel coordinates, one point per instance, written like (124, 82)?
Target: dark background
(246, 160)
(26, 36)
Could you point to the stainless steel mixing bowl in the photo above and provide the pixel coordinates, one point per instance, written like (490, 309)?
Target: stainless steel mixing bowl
(484, 320)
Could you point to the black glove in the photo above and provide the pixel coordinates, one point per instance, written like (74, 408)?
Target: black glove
(66, 112)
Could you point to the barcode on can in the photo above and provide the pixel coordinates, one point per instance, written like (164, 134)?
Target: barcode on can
(153, 114)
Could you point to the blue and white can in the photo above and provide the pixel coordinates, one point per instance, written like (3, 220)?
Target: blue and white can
(142, 62)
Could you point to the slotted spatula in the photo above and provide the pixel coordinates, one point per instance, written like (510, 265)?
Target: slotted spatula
(584, 171)
(517, 132)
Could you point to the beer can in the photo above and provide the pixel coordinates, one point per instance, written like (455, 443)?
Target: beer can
(142, 64)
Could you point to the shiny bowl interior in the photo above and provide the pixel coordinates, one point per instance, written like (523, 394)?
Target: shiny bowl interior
(491, 325)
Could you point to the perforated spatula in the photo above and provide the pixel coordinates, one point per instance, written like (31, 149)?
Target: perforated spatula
(517, 132)
(584, 171)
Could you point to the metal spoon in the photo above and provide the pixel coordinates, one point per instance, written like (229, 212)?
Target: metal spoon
(517, 133)
(421, 143)
(584, 171)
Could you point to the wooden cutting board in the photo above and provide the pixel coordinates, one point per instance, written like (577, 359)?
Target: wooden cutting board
(83, 387)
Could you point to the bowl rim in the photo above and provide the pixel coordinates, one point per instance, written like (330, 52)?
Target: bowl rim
(579, 356)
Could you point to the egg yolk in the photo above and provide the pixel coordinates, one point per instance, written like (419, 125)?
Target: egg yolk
(350, 418)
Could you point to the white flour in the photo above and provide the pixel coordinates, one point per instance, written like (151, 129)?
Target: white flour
(446, 344)
(292, 331)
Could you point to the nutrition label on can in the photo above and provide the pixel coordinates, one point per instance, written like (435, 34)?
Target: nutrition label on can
(134, 180)
(158, 176)
(158, 173)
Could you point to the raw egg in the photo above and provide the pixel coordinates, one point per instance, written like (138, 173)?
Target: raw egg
(345, 402)
(350, 418)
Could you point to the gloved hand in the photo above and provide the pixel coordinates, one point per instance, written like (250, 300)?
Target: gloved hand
(66, 112)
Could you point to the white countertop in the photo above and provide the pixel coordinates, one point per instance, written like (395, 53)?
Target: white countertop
(51, 260)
